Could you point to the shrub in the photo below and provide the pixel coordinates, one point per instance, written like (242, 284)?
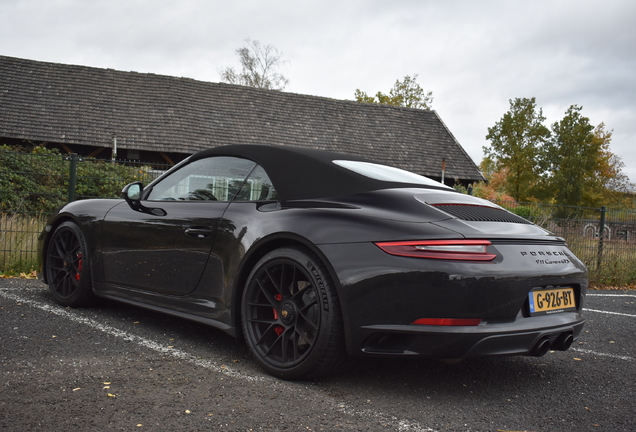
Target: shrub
(38, 181)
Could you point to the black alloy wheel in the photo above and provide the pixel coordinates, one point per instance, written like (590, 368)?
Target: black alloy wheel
(291, 316)
(68, 267)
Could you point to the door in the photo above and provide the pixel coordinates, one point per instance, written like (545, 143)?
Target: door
(167, 251)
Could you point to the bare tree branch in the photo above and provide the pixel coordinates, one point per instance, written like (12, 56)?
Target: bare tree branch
(259, 67)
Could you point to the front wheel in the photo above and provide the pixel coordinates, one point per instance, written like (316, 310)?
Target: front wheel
(68, 267)
(291, 316)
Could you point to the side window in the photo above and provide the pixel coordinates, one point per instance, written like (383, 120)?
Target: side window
(210, 179)
(258, 187)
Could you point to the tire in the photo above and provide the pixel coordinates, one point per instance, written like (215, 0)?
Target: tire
(292, 321)
(68, 267)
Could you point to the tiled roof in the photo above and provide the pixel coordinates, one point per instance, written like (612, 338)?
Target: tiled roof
(83, 105)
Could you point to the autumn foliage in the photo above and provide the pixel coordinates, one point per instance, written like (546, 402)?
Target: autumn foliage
(568, 164)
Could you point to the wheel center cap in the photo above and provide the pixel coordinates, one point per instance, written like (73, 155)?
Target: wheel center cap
(288, 312)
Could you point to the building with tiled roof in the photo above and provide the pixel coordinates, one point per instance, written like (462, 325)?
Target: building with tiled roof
(153, 117)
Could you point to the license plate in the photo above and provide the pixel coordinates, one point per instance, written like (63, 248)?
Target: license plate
(549, 301)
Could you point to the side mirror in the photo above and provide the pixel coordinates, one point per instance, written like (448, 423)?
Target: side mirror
(133, 191)
(132, 194)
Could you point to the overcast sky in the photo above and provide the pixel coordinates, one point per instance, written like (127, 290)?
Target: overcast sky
(473, 55)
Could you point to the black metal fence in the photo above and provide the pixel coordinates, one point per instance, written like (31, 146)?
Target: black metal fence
(32, 185)
(604, 239)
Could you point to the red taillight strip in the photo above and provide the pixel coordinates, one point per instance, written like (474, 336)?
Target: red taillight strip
(448, 321)
(439, 249)
(465, 205)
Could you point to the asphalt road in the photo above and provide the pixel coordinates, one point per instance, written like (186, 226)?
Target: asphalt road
(115, 367)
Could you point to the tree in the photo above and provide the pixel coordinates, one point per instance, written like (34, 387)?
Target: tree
(493, 188)
(516, 144)
(582, 171)
(570, 165)
(406, 93)
(613, 182)
(259, 66)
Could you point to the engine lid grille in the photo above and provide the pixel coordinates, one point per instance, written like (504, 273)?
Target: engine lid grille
(477, 213)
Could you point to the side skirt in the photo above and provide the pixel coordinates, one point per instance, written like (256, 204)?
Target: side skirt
(153, 302)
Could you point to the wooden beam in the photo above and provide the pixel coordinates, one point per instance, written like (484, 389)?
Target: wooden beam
(166, 157)
(66, 148)
(95, 152)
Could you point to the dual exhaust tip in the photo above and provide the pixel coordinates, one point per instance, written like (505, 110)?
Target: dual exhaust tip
(562, 343)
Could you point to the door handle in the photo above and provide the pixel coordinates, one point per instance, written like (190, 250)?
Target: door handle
(199, 232)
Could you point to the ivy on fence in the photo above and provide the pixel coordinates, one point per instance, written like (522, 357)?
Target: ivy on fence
(40, 181)
(33, 184)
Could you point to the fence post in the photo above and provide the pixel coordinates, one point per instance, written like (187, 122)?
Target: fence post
(72, 180)
(601, 234)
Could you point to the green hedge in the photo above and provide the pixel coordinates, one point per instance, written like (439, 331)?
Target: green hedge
(38, 180)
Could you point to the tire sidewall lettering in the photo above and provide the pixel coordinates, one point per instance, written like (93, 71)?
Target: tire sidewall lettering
(321, 285)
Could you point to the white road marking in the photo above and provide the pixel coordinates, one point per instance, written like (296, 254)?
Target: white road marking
(626, 358)
(147, 343)
(610, 313)
(400, 425)
(585, 351)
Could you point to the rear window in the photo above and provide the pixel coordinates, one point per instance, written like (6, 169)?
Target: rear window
(387, 173)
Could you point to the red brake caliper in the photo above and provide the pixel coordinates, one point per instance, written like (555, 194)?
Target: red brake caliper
(79, 266)
(278, 329)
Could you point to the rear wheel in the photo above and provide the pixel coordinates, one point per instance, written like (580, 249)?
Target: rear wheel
(68, 267)
(291, 316)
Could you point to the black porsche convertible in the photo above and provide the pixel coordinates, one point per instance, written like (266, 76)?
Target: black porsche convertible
(316, 257)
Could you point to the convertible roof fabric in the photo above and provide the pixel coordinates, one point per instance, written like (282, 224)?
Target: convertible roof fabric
(302, 174)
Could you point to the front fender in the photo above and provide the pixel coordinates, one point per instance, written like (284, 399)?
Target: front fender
(88, 215)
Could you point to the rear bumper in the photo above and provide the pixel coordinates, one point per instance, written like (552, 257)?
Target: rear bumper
(525, 336)
(381, 295)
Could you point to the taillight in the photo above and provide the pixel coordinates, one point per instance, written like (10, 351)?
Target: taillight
(470, 250)
(448, 321)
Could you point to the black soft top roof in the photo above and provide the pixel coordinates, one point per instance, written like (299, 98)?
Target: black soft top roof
(301, 173)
